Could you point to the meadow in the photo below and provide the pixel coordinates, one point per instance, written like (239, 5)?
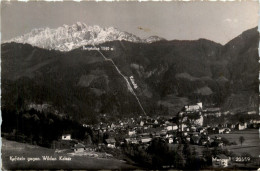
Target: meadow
(251, 144)
(11, 148)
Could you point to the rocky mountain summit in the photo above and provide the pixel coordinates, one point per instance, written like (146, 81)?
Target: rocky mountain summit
(67, 38)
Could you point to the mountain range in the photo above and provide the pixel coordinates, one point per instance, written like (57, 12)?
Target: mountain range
(67, 38)
(49, 66)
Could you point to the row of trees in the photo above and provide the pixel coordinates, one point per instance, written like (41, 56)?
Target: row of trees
(159, 154)
(39, 127)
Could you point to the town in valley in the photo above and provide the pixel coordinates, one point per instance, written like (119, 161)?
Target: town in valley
(190, 136)
(130, 85)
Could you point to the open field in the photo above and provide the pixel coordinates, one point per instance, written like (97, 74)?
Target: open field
(11, 148)
(251, 144)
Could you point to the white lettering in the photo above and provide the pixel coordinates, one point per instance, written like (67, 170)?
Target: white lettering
(64, 158)
(15, 158)
(49, 158)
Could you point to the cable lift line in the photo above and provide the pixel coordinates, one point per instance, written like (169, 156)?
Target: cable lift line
(125, 78)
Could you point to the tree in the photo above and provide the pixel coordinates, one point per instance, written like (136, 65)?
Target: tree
(241, 139)
(207, 154)
(179, 159)
(88, 139)
(225, 141)
(187, 155)
(20, 103)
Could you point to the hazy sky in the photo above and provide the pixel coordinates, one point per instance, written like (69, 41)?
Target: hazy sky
(217, 21)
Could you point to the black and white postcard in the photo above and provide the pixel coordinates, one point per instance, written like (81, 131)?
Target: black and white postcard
(130, 85)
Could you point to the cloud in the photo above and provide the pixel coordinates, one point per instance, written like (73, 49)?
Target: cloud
(230, 20)
(227, 20)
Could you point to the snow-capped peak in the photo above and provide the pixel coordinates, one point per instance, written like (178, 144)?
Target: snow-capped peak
(66, 38)
(152, 39)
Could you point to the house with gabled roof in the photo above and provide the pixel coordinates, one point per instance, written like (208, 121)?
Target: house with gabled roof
(66, 137)
(241, 126)
(145, 140)
(111, 142)
(79, 148)
(171, 126)
(195, 139)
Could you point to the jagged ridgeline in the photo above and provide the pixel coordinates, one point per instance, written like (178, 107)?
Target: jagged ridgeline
(50, 66)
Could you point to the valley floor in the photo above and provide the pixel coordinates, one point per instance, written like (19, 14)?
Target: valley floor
(251, 144)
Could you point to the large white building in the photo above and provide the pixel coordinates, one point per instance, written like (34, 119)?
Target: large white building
(199, 121)
(193, 108)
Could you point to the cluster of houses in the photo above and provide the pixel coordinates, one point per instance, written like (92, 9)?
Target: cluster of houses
(180, 129)
(73, 145)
